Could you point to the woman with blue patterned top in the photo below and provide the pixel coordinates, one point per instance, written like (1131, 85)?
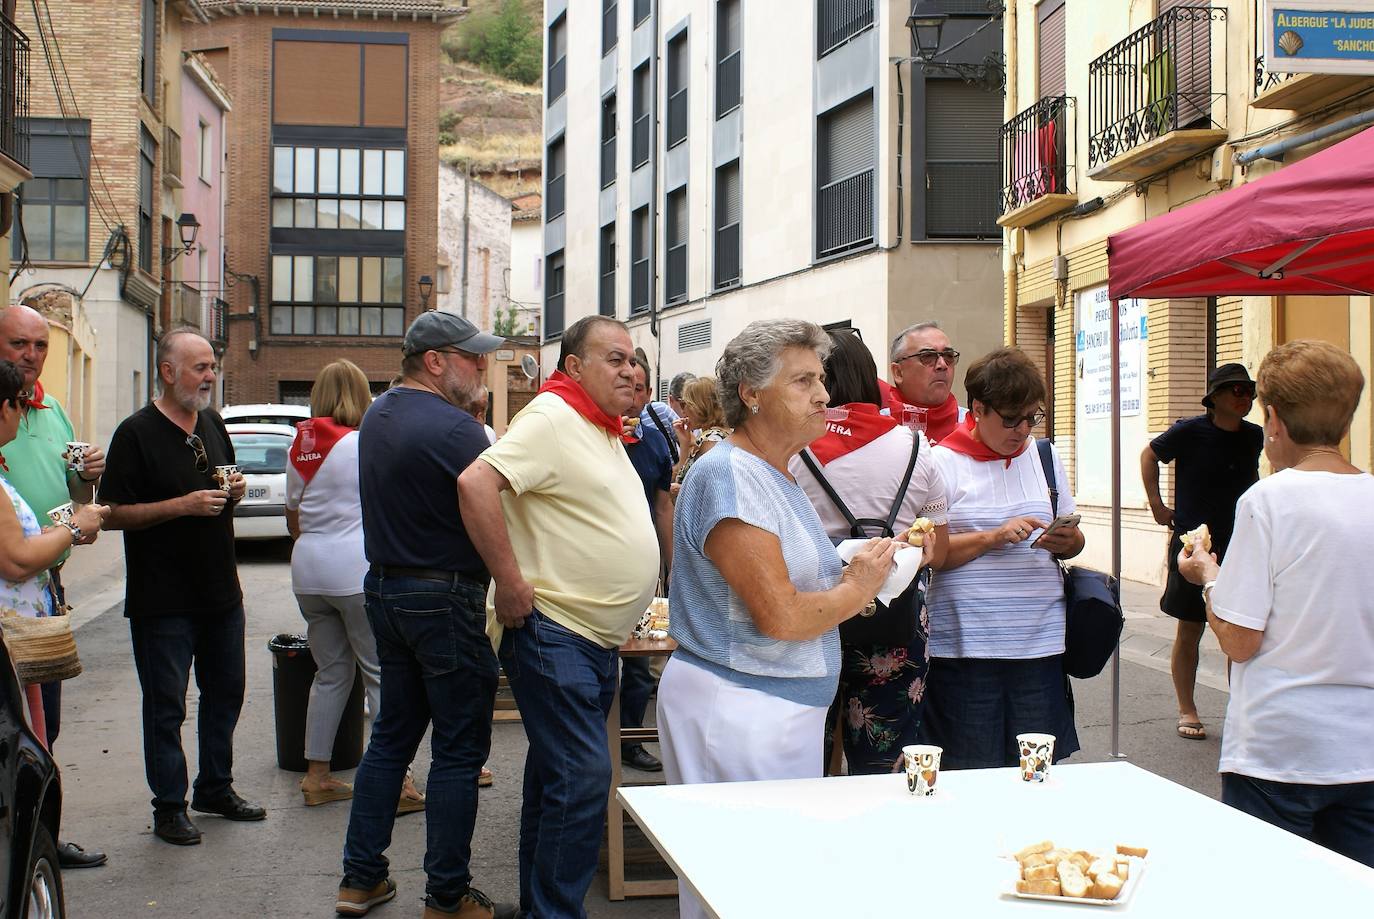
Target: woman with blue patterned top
(757, 589)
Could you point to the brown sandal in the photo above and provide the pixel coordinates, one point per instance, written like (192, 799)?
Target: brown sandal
(1191, 730)
(334, 791)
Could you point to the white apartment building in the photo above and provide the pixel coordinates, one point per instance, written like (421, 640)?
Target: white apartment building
(712, 162)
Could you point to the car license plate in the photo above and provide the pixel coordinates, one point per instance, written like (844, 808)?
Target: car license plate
(257, 492)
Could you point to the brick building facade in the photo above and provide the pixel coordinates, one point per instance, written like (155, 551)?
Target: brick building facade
(332, 191)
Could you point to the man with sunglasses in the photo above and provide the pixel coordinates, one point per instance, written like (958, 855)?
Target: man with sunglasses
(1216, 458)
(182, 593)
(922, 375)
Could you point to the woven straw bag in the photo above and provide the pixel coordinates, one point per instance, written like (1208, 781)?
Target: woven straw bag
(43, 649)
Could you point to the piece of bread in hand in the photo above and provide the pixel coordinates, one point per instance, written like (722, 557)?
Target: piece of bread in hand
(1106, 887)
(1137, 851)
(1042, 886)
(920, 528)
(1039, 872)
(1200, 538)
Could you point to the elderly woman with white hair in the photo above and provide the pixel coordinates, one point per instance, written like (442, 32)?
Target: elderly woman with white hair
(757, 588)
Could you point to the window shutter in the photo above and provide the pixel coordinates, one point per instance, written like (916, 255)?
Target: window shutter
(728, 195)
(1051, 60)
(55, 156)
(677, 64)
(846, 140)
(963, 123)
(730, 28)
(676, 218)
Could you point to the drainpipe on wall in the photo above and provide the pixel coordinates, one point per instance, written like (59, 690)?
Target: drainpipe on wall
(1009, 112)
(653, 193)
(467, 208)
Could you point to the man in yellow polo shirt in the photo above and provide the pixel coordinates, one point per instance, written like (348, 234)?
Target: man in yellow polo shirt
(558, 514)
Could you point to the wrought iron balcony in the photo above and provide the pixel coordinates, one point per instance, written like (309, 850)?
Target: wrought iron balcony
(14, 94)
(1152, 99)
(839, 20)
(1037, 174)
(212, 324)
(1302, 92)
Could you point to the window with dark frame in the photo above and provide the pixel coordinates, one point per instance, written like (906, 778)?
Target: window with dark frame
(640, 103)
(1049, 61)
(609, 13)
(608, 134)
(845, 215)
(727, 241)
(963, 168)
(557, 164)
(553, 295)
(361, 295)
(728, 37)
(642, 10)
(147, 157)
(338, 188)
(54, 204)
(675, 229)
(639, 260)
(606, 293)
(147, 51)
(677, 90)
(558, 58)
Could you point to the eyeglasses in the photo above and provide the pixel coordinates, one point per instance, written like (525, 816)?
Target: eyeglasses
(1240, 390)
(1033, 419)
(929, 357)
(202, 458)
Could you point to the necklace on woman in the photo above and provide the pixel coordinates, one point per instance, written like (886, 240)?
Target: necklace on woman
(1320, 451)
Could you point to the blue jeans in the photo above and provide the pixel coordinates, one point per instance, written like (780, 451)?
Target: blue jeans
(1338, 817)
(437, 665)
(564, 685)
(636, 684)
(165, 647)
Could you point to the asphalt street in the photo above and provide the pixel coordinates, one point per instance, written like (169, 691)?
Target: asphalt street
(288, 865)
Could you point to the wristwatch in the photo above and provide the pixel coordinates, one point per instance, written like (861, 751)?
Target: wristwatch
(1207, 591)
(870, 609)
(76, 530)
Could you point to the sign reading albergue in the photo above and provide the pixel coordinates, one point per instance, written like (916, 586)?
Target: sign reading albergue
(1319, 36)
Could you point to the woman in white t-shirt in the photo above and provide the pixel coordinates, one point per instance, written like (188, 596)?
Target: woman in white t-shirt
(1293, 607)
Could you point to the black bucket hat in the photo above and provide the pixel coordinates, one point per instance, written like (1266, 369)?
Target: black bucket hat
(1223, 376)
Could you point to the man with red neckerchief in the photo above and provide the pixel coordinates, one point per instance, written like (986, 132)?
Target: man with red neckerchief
(558, 513)
(922, 374)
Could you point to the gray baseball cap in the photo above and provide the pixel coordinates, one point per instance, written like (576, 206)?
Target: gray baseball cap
(436, 330)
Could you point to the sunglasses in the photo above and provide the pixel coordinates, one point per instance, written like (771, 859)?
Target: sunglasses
(929, 357)
(202, 458)
(1239, 390)
(1033, 419)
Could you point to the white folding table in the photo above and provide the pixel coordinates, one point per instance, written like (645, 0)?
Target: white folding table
(863, 846)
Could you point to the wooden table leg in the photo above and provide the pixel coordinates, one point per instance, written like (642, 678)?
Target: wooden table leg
(615, 817)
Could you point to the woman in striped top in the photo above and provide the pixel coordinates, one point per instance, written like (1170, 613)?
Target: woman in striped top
(997, 605)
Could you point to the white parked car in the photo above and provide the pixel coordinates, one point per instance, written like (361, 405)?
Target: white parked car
(265, 413)
(262, 451)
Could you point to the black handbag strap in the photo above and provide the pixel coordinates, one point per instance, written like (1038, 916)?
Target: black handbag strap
(1047, 461)
(856, 525)
(672, 441)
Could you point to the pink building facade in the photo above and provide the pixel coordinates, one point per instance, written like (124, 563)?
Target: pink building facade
(205, 106)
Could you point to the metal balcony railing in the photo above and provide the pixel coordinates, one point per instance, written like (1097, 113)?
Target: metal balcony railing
(641, 10)
(212, 324)
(727, 255)
(558, 78)
(727, 84)
(553, 313)
(844, 214)
(607, 161)
(675, 279)
(961, 200)
(171, 156)
(14, 92)
(639, 286)
(677, 117)
(1266, 79)
(608, 27)
(840, 20)
(606, 294)
(1155, 81)
(639, 142)
(554, 206)
(1035, 153)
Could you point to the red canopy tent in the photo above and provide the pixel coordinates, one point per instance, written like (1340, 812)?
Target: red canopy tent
(1306, 229)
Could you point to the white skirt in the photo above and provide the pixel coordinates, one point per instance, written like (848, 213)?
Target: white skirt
(712, 730)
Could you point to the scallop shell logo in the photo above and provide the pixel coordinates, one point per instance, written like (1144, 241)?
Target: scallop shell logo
(1290, 42)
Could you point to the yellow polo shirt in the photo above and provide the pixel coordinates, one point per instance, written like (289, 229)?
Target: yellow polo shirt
(578, 522)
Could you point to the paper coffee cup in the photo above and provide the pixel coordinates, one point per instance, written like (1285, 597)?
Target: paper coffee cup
(222, 474)
(62, 513)
(1037, 753)
(75, 455)
(922, 768)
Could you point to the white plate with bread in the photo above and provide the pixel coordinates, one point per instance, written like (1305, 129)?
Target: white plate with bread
(1100, 877)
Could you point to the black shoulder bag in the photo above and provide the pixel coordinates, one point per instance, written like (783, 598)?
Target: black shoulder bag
(891, 626)
(671, 438)
(1092, 603)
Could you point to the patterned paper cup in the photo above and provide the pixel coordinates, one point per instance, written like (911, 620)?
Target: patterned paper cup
(922, 768)
(75, 455)
(1037, 752)
(62, 513)
(222, 474)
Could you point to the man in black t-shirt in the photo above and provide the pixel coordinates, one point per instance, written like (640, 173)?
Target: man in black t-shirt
(182, 594)
(1216, 458)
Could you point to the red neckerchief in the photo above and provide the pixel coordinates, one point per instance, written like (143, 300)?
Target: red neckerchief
(863, 426)
(315, 437)
(36, 401)
(571, 392)
(940, 419)
(963, 441)
(891, 398)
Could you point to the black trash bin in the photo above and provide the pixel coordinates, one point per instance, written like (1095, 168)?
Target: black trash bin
(293, 670)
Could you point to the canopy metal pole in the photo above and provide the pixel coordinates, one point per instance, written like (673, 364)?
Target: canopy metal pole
(1116, 515)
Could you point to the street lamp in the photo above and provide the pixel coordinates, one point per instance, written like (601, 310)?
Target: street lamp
(187, 228)
(926, 30)
(426, 285)
(925, 34)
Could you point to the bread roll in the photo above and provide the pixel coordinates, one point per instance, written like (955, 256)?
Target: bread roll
(1106, 887)
(920, 528)
(1137, 851)
(1072, 883)
(1198, 538)
(1042, 886)
(1038, 872)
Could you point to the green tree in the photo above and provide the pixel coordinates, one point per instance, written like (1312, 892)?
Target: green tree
(503, 322)
(508, 44)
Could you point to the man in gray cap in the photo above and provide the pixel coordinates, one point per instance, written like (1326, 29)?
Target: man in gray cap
(425, 595)
(1216, 458)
